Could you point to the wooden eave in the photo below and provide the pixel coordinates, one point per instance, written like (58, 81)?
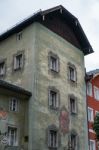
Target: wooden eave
(73, 22)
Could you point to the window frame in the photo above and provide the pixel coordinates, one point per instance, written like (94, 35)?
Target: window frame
(55, 144)
(3, 61)
(73, 110)
(74, 72)
(96, 93)
(74, 134)
(15, 136)
(93, 141)
(89, 88)
(91, 119)
(17, 67)
(57, 103)
(11, 105)
(54, 56)
(19, 36)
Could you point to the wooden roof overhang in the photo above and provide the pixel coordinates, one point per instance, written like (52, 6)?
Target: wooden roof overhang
(66, 17)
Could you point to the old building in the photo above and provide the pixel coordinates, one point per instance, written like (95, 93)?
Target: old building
(44, 54)
(13, 115)
(93, 104)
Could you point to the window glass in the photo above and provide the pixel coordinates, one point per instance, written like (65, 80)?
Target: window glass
(89, 89)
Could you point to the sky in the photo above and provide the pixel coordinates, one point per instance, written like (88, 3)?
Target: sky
(87, 12)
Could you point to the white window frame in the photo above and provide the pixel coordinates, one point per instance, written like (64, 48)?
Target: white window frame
(96, 93)
(72, 73)
(89, 88)
(12, 137)
(13, 104)
(53, 100)
(90, 114)
(94, 144)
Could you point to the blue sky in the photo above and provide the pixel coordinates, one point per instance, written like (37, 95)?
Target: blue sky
(87, 11)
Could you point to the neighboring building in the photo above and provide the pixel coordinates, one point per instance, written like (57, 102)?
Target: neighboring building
(45, 55)
(93, 104)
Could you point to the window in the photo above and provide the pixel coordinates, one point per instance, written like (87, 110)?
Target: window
(73, 141)
(92, 145)
(2, 68)
(72, 74)
(73, 105)
(14, 104)
(53, 98)
(53, 137)
(19, 36)
(96, 93)
(12, 136)
(18, 61)
(89, 89)
(90, 114)
(53, 62)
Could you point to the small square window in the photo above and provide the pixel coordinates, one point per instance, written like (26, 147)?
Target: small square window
(2, 68)
(53, 98)
(53, 62)
(12, 136)
(19, 36)
(18, 61)
(72, 74)
(73, 105)
(14, 104)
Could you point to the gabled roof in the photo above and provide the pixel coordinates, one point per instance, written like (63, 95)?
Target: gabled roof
(96, 71)
(68, 17)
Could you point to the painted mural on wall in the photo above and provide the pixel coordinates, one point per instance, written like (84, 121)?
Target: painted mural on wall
(64, 121)
(3, 134)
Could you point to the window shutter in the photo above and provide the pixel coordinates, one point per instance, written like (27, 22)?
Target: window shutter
(57, 65)
(50, 98)
(76, 106)
(57, 100)
(15, 63)
(77, 142)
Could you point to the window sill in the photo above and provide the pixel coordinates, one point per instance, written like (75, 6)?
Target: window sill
(54, 108)
(74, 113)
(53, 148)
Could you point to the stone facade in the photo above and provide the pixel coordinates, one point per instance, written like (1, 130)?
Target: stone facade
(36, 76)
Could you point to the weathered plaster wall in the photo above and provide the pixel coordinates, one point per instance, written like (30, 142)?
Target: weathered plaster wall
(14, 119)
(37, 42)
(47, 41)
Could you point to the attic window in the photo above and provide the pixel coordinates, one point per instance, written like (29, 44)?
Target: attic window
(19, 36)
